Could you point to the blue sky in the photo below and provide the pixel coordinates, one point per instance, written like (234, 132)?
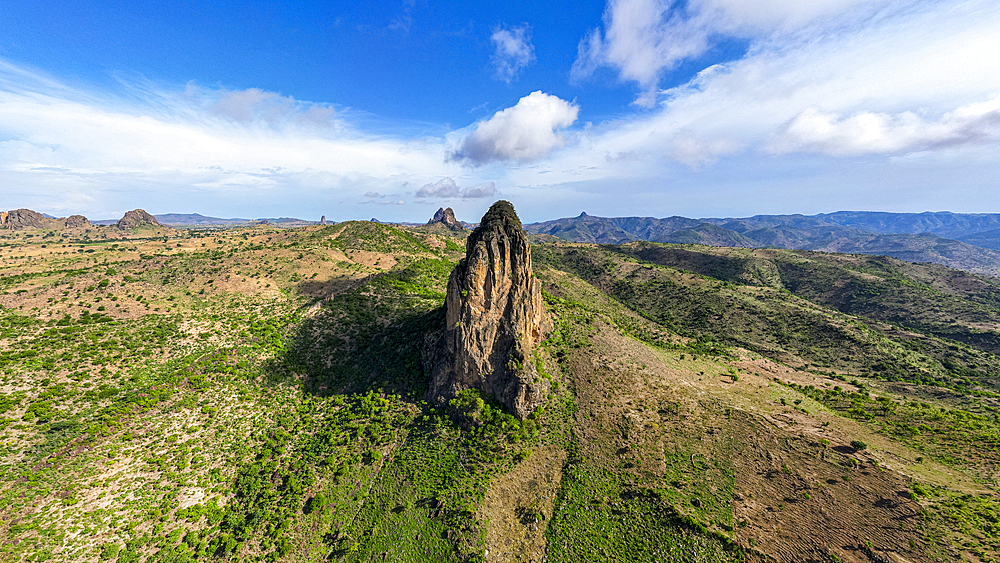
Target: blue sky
(391, 109)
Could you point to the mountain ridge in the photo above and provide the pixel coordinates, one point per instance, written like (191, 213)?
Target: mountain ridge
(928, 236)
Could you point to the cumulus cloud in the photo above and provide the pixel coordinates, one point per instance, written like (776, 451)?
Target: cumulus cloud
(529, 130)
(868, 132)
(513, 51)
(906, 81)
(489, 189)
(447, 188)
(643, 39)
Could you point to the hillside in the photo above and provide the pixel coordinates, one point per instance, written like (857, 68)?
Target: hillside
(916, 237)
(257, 393)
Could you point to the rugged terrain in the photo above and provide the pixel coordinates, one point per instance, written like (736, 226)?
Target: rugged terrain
(258, 393)
(965, 241)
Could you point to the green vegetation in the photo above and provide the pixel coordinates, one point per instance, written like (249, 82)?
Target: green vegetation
(258, 394)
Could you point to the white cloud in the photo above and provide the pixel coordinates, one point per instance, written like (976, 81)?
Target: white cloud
(642, 39)
(867, 132)
(529, 130)
(513, 51)
(447, 188)
(920, 79)
(146, 143)
(488, 189)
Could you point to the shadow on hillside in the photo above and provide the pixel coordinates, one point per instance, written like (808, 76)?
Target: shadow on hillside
(363, 338)
(324, 289)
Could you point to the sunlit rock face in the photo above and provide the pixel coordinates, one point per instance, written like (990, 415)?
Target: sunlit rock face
(494, 319)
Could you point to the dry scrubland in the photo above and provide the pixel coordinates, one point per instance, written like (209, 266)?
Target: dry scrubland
(256, 394)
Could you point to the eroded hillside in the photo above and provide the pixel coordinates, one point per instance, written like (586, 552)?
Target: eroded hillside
(258, 394)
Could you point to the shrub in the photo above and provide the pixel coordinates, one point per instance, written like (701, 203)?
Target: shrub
(111, 551)
(858, 445)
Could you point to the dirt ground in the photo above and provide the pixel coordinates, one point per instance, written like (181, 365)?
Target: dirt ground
(793, 498)
(515, 531)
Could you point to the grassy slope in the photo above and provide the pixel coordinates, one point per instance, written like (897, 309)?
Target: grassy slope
(257, 394)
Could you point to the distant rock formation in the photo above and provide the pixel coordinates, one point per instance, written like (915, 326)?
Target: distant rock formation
(447, 218)
(135, 218)
(19, 219)
(74, 221)
(494, 318)
(322, 220)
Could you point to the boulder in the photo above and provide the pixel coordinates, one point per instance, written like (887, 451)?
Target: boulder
(494, 318)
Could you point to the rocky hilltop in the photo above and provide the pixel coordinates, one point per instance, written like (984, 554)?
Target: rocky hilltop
(446, 217)
(494, 318)
(135, 218)
(19, 219)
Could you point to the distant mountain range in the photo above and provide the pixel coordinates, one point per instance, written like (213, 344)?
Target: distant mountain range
(196, 220)
(968, 241)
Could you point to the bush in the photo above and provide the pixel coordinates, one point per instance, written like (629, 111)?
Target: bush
(858, 445)
(468, 407)
(111, 551)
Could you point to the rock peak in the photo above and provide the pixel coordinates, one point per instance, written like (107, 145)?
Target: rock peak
(494, 318)
(446, 217)
(135, 218)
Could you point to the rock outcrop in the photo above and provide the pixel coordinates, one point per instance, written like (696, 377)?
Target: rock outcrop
(19, 219)
(494, 318)
(75, 221)
(447, 218)
(27, 219)
(135, 218)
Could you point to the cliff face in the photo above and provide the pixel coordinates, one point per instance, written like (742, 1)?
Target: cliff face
(494, 318)
(135, 218)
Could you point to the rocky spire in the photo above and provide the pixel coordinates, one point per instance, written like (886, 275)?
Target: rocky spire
(494, 318)
(447, 218)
